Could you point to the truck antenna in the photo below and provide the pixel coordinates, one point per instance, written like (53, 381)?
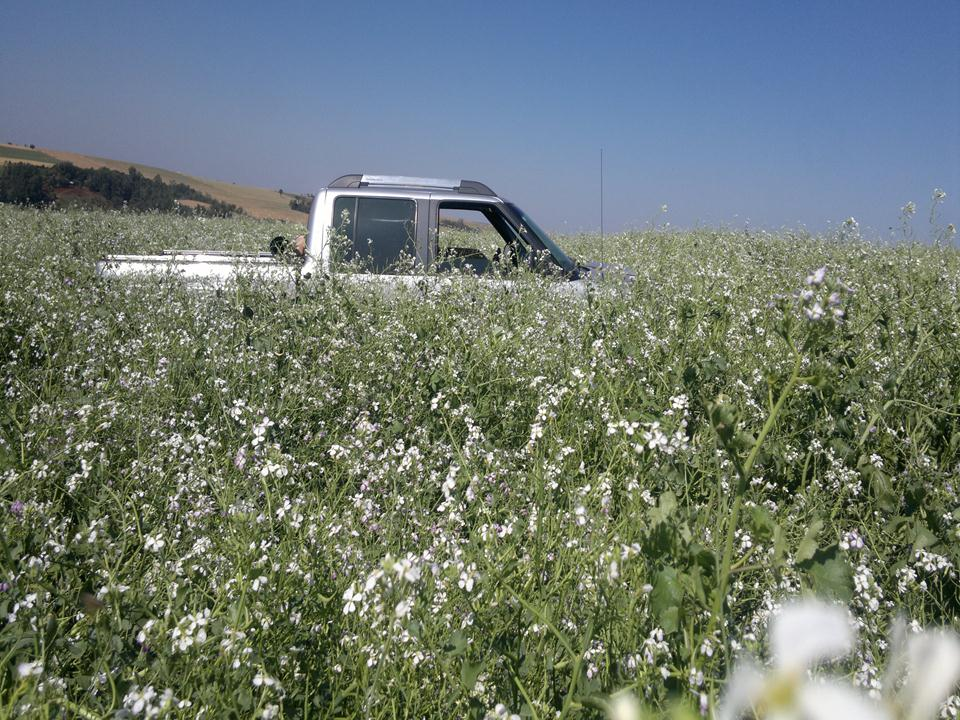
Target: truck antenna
(602, 258)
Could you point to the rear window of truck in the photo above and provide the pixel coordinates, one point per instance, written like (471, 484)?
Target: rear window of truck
(374, 234)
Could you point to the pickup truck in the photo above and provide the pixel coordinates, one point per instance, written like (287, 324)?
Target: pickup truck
(390, 230)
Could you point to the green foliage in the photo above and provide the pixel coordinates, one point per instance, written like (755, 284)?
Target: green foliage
(346, 504)
(25, 184)
(301, 203)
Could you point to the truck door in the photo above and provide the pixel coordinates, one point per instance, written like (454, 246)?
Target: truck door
(379, 239)
(474, 237)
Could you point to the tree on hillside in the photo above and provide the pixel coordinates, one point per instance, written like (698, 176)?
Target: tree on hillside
(301, 203)
(25, 184)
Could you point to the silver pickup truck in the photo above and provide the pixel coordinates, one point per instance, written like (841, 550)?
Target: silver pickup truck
(390, 230)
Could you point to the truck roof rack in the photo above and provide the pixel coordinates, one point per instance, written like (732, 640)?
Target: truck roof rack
(466, 187)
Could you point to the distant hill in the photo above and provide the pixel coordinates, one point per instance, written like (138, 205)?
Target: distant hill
(256, 202)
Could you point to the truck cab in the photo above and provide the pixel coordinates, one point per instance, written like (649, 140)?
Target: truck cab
(401, 226)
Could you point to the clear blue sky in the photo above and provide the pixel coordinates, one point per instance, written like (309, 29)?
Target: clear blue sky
(772, 113)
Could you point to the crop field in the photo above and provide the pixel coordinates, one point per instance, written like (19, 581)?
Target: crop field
(11, 153)
(468, 502)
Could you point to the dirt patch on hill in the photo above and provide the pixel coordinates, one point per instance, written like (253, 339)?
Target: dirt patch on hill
(77, 193)
(193, 203)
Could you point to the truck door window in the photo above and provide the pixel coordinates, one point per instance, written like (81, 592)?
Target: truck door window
(476, 238)
(374, 234)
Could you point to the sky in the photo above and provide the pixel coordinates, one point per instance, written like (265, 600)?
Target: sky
(761, 114)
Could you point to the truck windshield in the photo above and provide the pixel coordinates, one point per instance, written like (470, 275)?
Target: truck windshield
(559, 255)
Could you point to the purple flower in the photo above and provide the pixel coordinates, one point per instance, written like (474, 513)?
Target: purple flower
(17, 508)
(4, 586)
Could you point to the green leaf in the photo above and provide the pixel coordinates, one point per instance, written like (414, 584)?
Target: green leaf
(762, 523)
(665, 599)
(456, 645)
(808, 546)
(668, 503)
(664, 509)
(469, 672)
(919, 535)
(693, 584)
(670, 619)
(702, 558)
(829, 575)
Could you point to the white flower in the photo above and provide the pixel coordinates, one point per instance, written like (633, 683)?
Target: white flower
(406, 570)
(833, 701)
(624, 706)
(261, 679)
(816, 278)
(351, 598)
(154, 543)
(140, 700)
(190, 630)
(816, 312)
(803, 634)
(260, 431)
(580, 515)
(501, 712)
(745, 686)
(29, 669)
(468, 576)
(613, 571)
(933, 661)
(403, 608)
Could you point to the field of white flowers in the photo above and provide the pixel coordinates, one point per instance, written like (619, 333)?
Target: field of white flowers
(476, 503)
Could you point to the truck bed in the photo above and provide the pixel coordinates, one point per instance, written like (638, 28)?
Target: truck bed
(204, 267)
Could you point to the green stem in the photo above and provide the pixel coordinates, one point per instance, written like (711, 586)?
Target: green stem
(744, 472)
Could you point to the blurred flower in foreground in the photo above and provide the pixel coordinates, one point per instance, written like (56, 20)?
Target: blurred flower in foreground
(805, 634)
(928, 664)
(624, 706)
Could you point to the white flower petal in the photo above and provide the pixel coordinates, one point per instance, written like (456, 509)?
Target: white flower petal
(832, 701)
(934, 661)
(896, 655)
(802, 634)
(745, 687)
(624, 706)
